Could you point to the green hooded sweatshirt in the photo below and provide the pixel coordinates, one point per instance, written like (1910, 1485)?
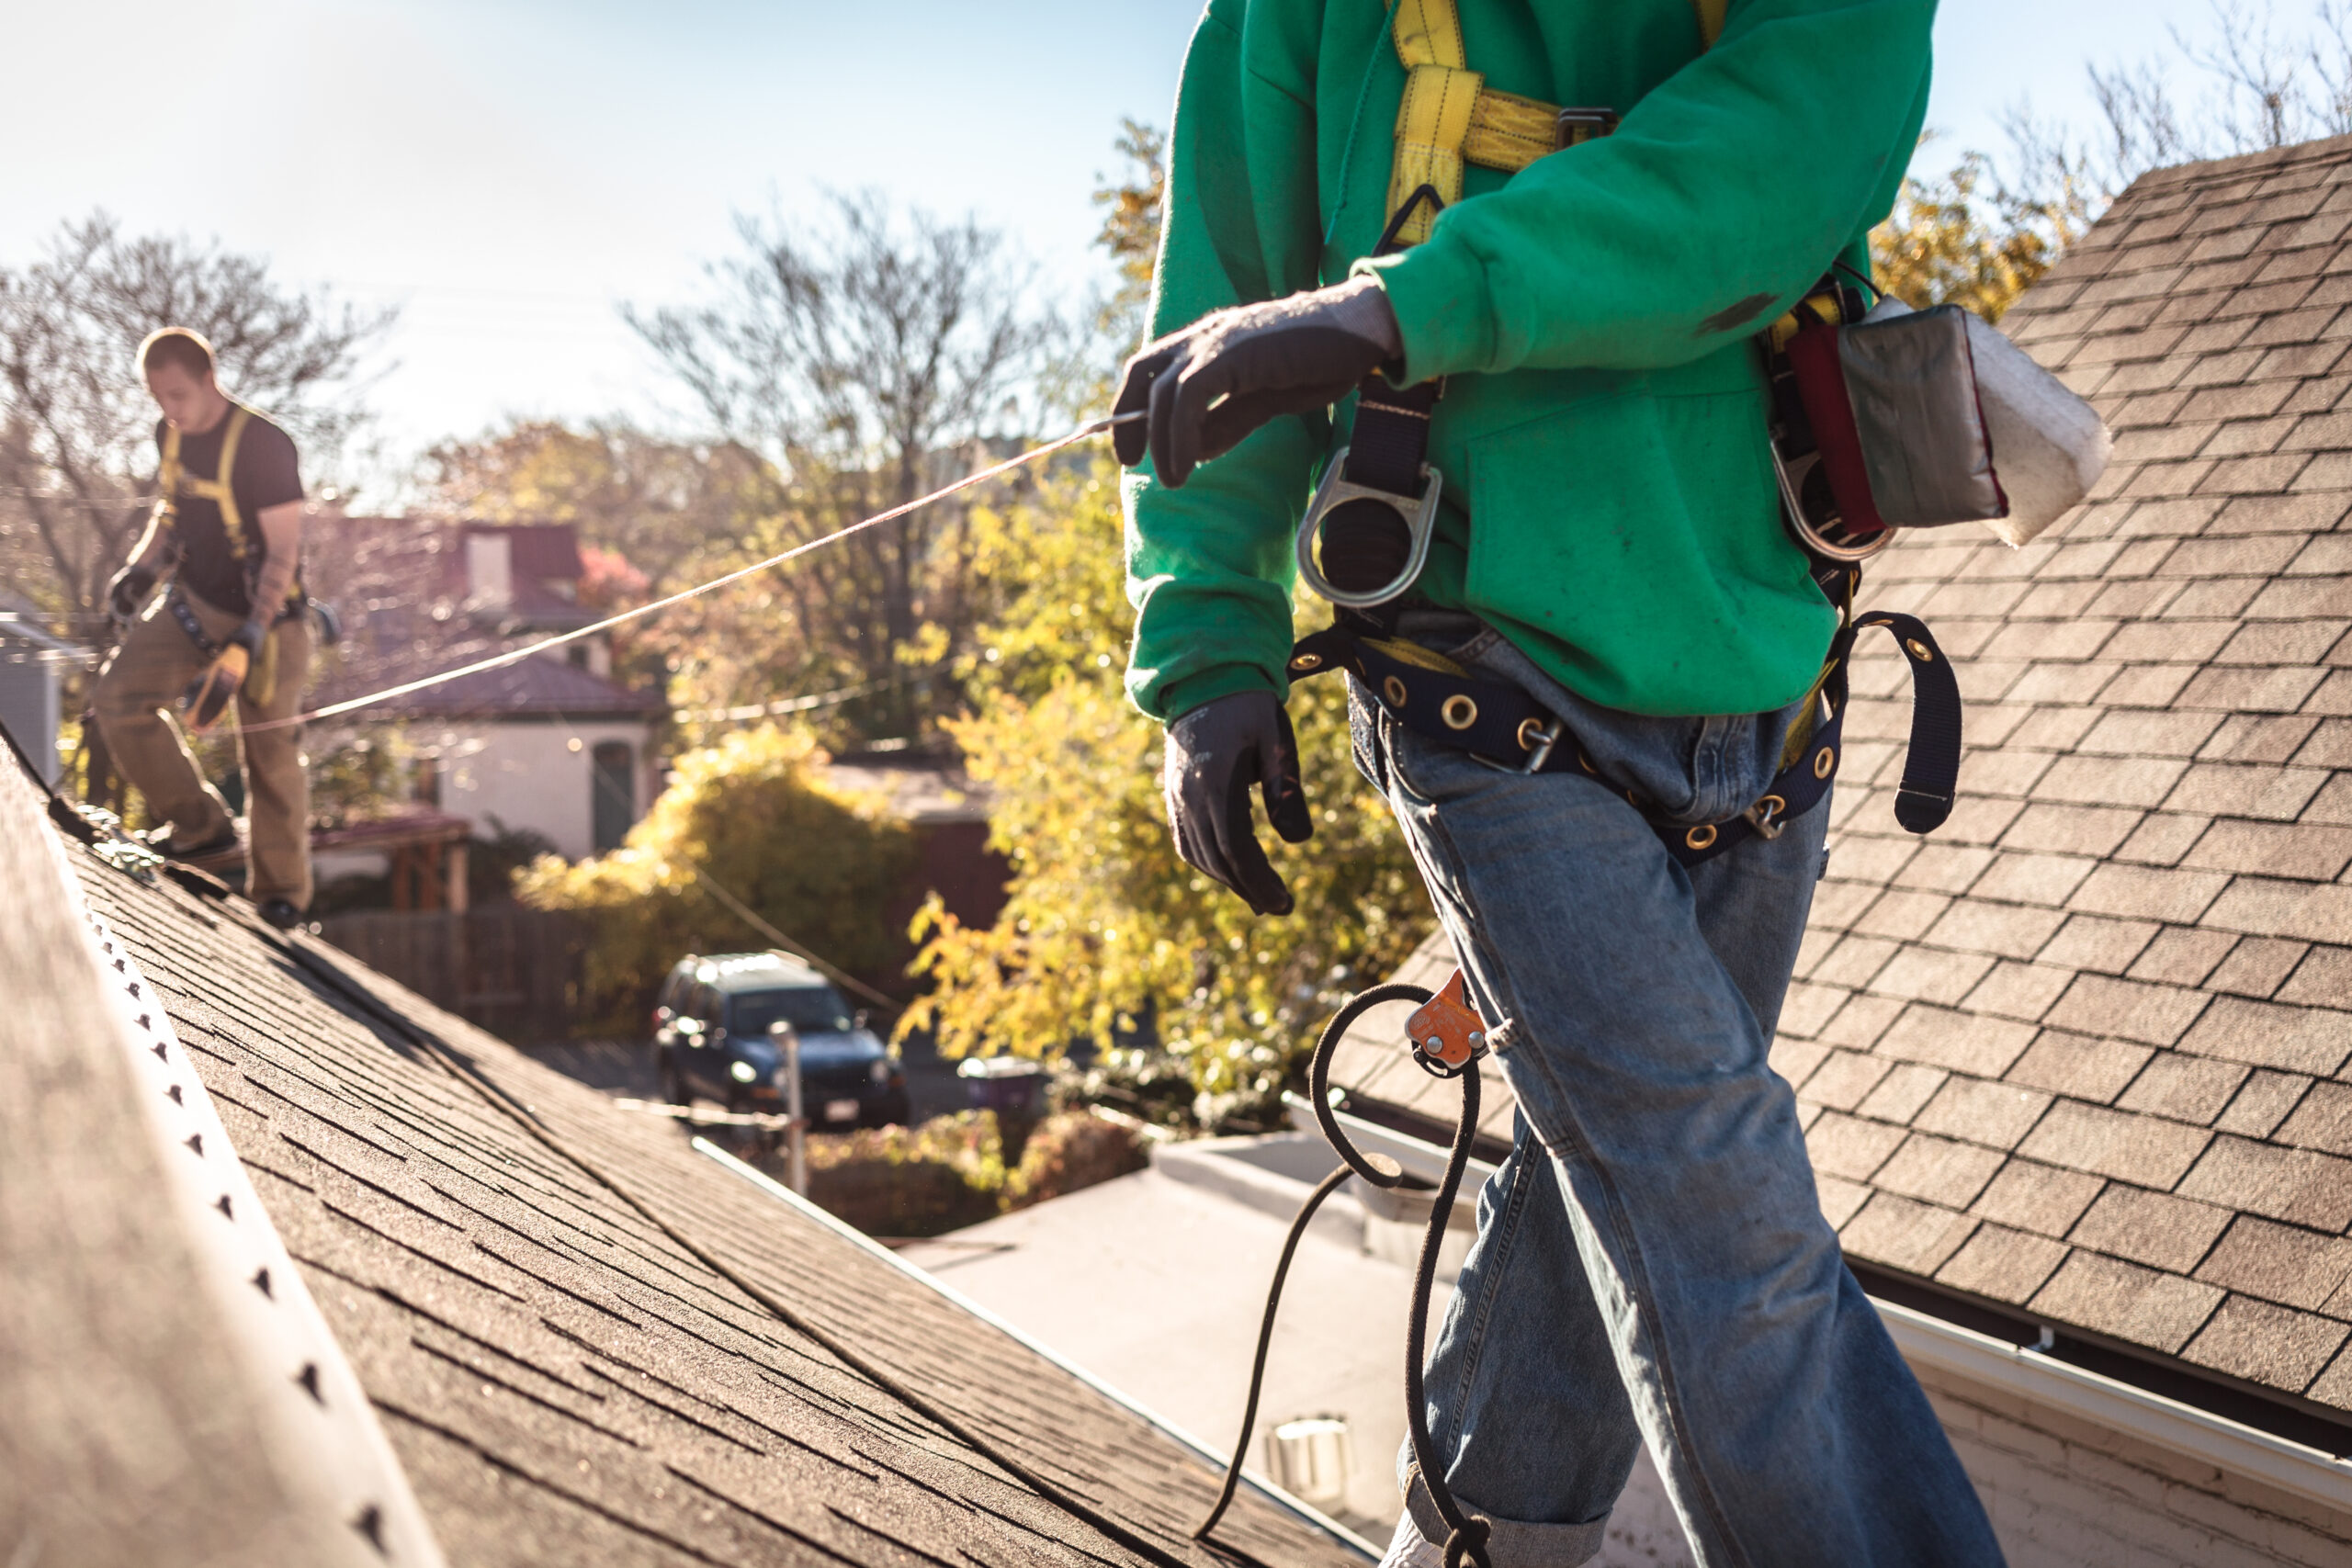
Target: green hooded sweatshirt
(1610, 504)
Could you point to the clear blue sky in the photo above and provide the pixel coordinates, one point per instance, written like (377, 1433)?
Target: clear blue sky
(509, 170)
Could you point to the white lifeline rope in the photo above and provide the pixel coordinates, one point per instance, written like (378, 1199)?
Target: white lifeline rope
(516, 655)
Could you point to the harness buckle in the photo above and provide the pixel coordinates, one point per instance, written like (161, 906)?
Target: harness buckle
(1544, 736)
(1419, 517)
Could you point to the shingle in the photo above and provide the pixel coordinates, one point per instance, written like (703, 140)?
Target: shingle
(2071, 829)
(2140, 893)
(1924, 974)
(1940, 1170)
(1944, 868)
(2326, 743)
(2186, 1088)
(1850, 1147)
(1841, 1199)
(2278, 1263)
(1853, 961)
(2154, 1228)
(1913, 1237)
(2039, 1197)
(2006, 1265)
(1901, 915)
(2017, 877)
(2003, 930)
(2324, 1120)
(2322, 977)
(1793, 1059)
(2142, 734)
(2276, 794)
(1860, 1021)
(1967, 1043)
(2092, 941)
(2020, 990)
(2263, 1103)
(2110, 780)
(2281, 642)
(1984, 1113)
(2138, 1149)
(1807, 1007)
(2131, 1303)
(2266, 1034)
(2081, 1067)
(1902, 1092)
(2273, 849)
(2162, 838)
(2263, 737)
(2265, 908)
(2182, 957)
(2295, 1185)
(1842, 1080)
(2266, 1344)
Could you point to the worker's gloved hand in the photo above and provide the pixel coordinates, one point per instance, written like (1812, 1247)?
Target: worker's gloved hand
(1215, 753)
(210, 693)
(127, 592)
(1283, 356)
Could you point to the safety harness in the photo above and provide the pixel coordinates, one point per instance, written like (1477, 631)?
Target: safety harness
(174, 480)
(1352, 551)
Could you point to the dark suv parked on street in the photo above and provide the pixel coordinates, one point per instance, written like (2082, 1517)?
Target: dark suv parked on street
(711, 1029)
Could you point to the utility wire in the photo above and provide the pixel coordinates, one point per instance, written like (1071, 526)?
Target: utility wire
(516, 655)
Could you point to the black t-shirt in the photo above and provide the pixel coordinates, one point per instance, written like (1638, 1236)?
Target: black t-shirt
(268, 474)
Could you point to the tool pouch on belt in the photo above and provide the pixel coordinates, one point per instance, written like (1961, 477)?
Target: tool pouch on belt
(1926, 418)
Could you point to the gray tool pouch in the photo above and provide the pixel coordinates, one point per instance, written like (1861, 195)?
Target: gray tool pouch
(1912, 384)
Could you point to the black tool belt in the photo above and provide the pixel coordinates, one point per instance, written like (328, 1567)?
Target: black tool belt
(1500, 724)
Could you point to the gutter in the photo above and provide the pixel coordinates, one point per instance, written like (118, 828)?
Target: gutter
(1216, 1461)
(2307, 1472)
(1927, 1340)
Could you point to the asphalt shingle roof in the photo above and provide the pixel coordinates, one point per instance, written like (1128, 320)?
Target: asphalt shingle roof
(2083, 1052)
(589, 1344)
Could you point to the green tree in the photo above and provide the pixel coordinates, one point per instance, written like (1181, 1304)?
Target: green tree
(751, 814)
(1106, 930)
(1965, 239)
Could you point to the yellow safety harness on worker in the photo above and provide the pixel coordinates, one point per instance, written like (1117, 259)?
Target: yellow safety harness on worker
(1449, 117)
(232, 670)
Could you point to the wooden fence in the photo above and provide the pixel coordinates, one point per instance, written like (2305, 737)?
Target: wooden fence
(513, 970)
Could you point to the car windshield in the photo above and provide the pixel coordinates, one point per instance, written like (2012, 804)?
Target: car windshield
(810, 1010)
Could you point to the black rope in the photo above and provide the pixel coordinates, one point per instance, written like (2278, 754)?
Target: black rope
(1466, 1541)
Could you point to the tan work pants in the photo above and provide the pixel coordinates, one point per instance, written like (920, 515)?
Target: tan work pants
(146, 678)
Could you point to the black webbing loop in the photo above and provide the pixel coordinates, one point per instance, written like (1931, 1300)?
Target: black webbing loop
(1932, 770)
(1466, 1541)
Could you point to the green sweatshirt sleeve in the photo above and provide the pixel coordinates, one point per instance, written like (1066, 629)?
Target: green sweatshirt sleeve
(1706, 214)
(1209, 565)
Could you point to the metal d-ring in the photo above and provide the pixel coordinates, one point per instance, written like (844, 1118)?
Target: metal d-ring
(1420, 524)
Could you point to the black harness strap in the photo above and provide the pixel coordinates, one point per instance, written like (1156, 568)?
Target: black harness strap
(1500, 724)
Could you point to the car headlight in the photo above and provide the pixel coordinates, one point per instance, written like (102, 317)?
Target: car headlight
(743, 1072)
(881, 1070)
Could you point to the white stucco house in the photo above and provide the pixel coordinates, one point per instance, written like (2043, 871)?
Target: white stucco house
(550, 744)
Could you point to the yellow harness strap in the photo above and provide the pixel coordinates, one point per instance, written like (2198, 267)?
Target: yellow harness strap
(1449, 117)
(176, 480)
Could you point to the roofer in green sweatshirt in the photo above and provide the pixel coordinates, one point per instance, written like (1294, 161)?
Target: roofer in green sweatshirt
(1600, 710)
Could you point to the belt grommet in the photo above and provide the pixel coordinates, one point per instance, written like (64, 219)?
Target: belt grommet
(1701, 837)
(1393, 690)
(1306, 661)
(1531, 732)
(1458, 711)
(1823, 761)
(1919, 650)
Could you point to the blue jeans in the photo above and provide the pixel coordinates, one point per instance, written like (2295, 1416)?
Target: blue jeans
(1652, 1263)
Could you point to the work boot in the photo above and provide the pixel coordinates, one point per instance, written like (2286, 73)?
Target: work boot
(1409, 1549)
(165, 842)
(279, 912)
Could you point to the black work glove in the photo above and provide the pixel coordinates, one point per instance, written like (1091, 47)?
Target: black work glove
(1215, 754)
(1283, 356)
(127, 592)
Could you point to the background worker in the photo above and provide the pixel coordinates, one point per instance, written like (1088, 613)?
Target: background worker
(1652, 1265)
(229, 629)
